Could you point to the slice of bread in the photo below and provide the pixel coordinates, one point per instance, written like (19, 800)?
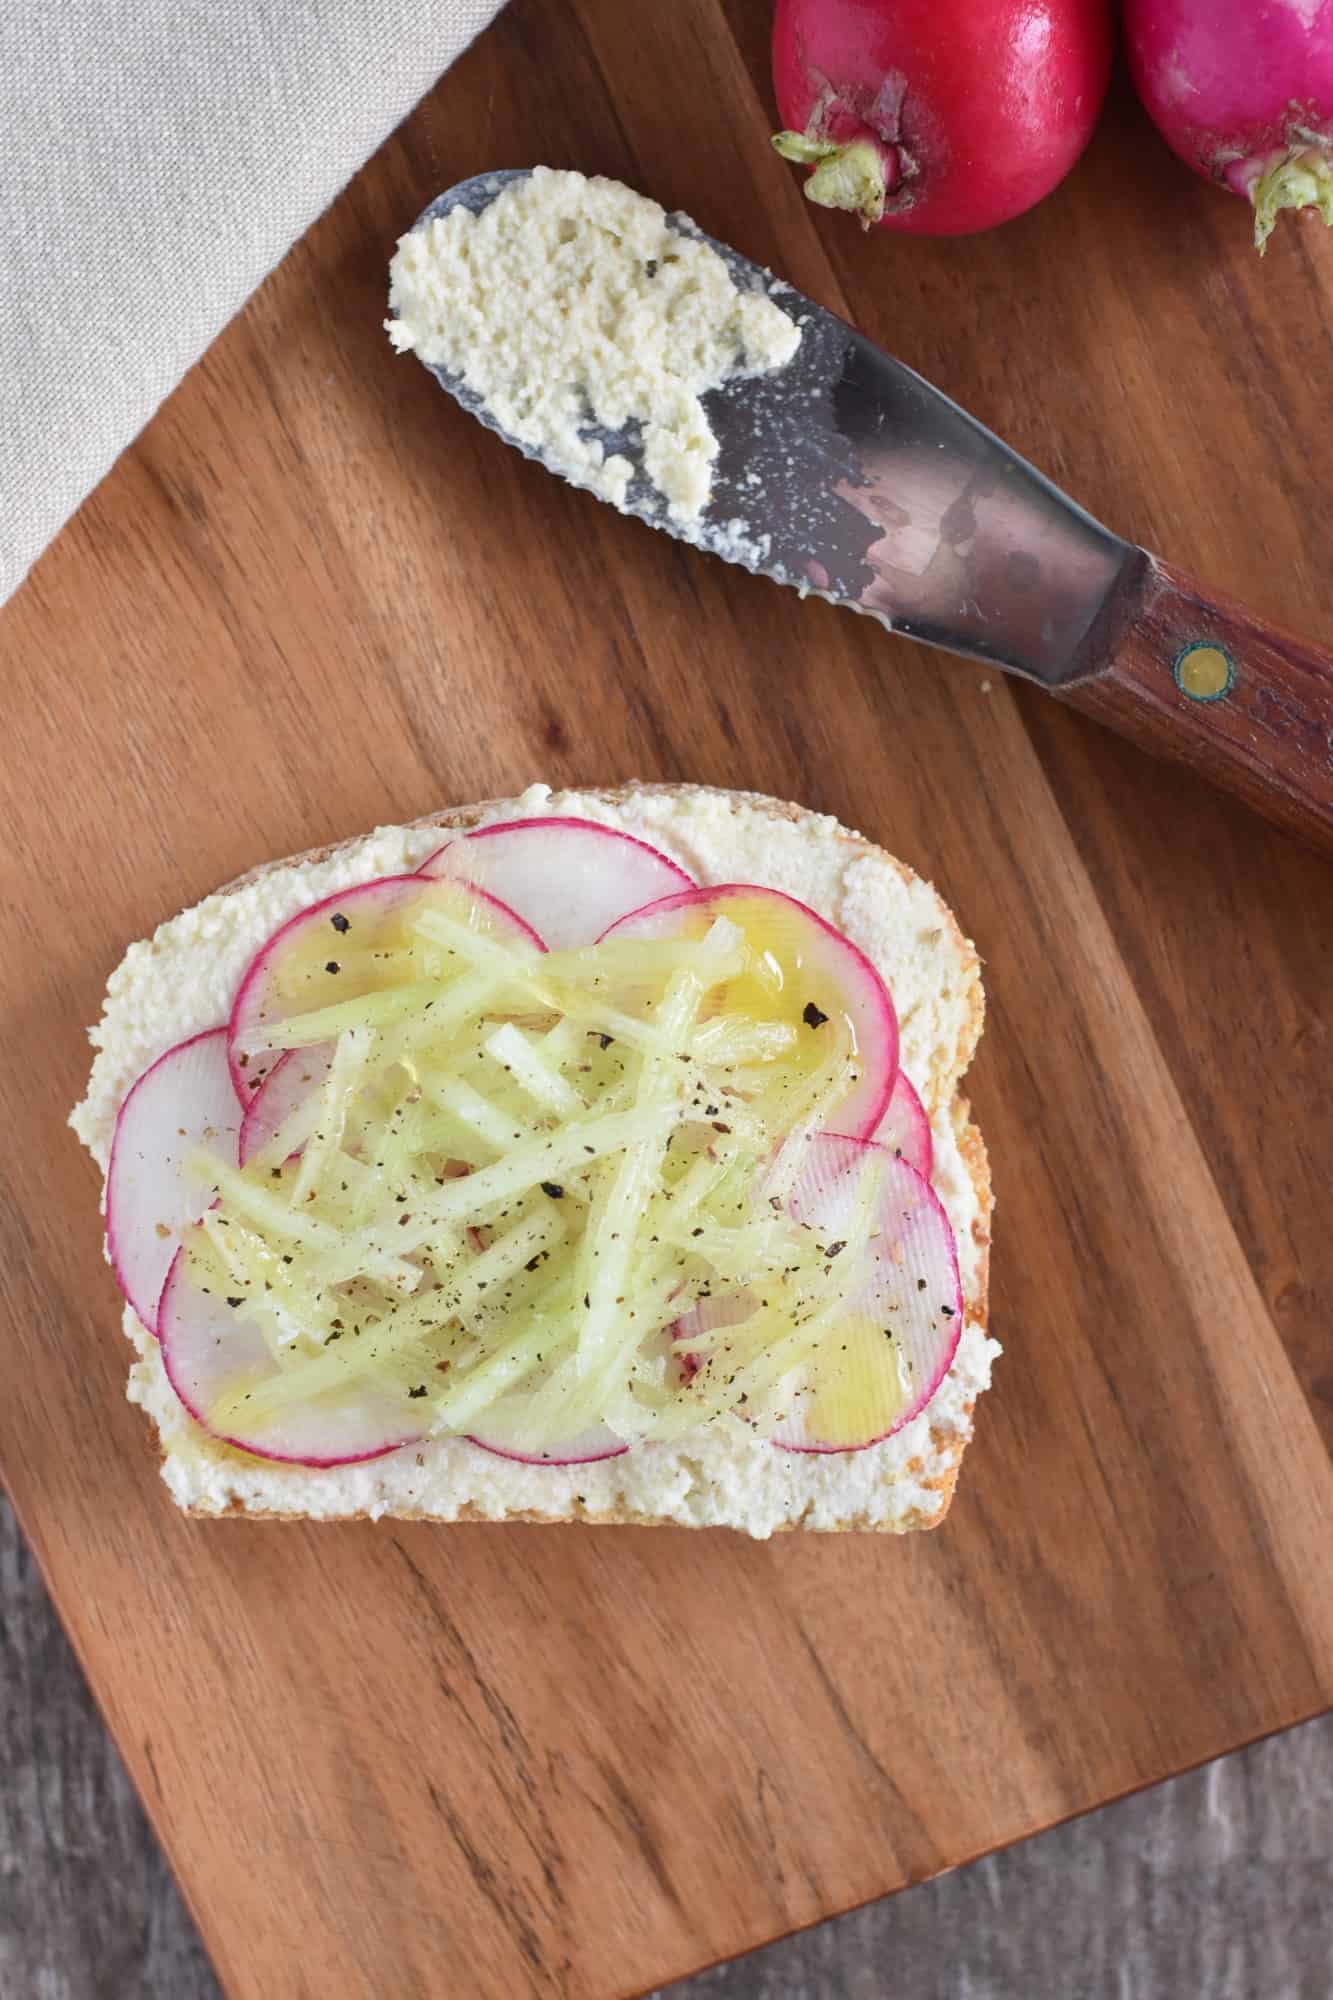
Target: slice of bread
(184, 978)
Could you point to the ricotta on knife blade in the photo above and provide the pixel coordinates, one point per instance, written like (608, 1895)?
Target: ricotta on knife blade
(568, 303)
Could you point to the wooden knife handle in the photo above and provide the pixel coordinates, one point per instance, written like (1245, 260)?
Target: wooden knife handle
(1199, 679)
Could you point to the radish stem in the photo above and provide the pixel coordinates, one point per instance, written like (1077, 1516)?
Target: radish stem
(858, 177)
(1301, 177)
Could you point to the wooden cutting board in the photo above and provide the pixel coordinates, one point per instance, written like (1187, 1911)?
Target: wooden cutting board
(392, 1760)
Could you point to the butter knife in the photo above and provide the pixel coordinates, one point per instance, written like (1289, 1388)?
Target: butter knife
(846, 475)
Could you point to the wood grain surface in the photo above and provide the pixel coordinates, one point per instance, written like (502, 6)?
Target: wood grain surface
(1216, 1883)
(1197, 678)
(314, 596)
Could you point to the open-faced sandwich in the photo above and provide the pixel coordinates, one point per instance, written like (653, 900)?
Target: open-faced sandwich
(592, 1156)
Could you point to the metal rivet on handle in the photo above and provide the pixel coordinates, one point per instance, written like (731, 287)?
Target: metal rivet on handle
(1204, 671)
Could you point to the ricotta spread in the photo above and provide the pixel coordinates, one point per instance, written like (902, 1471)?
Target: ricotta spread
(184, 978)
(570, 305)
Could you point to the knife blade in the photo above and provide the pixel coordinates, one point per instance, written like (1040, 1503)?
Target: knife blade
(847, 475)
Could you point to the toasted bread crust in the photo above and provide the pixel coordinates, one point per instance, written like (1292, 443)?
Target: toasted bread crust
(940, 1089)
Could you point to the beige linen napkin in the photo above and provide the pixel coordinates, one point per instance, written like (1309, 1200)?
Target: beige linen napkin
(157, 157)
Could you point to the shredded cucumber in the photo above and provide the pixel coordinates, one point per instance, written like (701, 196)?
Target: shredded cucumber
(346, 1073)
(613, 1229)
(516, 1174)
(805, 1111)
(523, 1349)
(374, 1010)
(538, 1079)
(617, 963)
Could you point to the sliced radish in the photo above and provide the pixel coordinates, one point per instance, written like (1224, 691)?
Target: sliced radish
(210, 1352)
(885, 1357)
(905, 1128)
(345, 947)
(571, 1433)
(184, 1102)
(291, 1082)
(570, 878)
(590, 1445)
(800, 972)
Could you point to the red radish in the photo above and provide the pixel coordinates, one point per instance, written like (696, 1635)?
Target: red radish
(1244, 94)
(292, 1081)
(800, 971)
(570, 878)
(183, 1102)
(862, 1385)
(592, 1444)
(938, 116)
(500, 1430)
(343, 947)
(208, 1350)
(905, 1128)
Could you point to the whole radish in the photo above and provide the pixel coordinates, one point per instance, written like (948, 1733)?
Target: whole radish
(938, 116)
(1243, 91)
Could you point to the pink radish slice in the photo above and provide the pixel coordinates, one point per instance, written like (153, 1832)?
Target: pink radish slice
(852, 1395)
(571, 878)
(293, 1078)
(905, 1128)
(824, 976)
(301, 966)
(182, 1103)
(592, 1444)
(208, 1349)
(499, 1427)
